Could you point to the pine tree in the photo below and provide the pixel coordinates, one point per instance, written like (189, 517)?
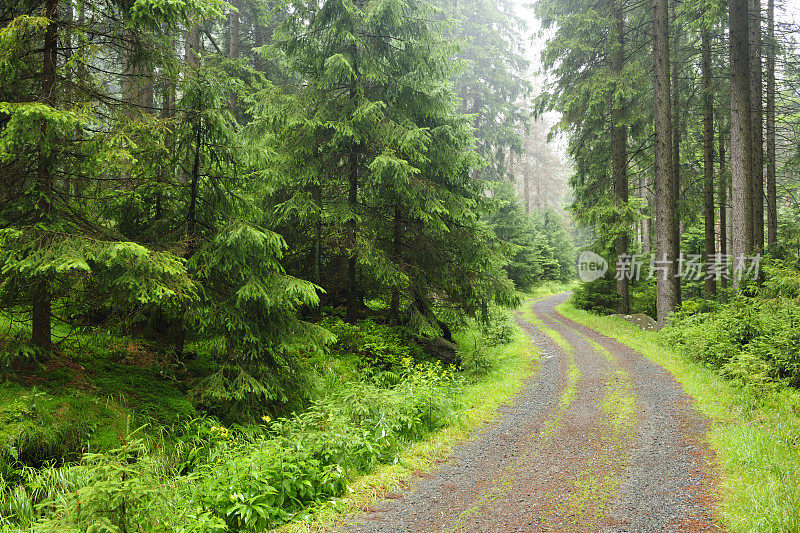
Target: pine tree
(376, 130)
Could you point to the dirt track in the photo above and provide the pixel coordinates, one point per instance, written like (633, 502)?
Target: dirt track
(599, 439)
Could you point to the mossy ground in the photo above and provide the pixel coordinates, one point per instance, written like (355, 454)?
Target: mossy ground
(89, 395)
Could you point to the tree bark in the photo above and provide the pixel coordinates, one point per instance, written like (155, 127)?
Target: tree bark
(741, 129)
(41, 334)
(772, 190)
(644, 237)
(666, 200)
(258, 40)
(233, 30)
(353, 304)
(397, 257)
(708, 158)
(676, 148)
(192, 54)
(619, 152)
(723, 201)
(757, 125)
(317, 266)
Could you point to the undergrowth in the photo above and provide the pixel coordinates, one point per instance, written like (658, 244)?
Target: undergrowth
(377, 410)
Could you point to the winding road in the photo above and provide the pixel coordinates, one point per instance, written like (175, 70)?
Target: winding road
(599, 439)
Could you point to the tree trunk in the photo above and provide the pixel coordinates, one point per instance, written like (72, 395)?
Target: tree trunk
(644, 225)
(723, 201)
(192, 56)
(233, 43)
(666, 201)
(741, 129)
(317, 266)
(676, 151)
(526, 181)
(772, 190)
(708, 158)
(647, 221)
(258, 40)
(619, 152)
(397, 257)
(757, 125)
(193, 45)
(233, 30)
(352, 287)
(41, 335)
(353, 294)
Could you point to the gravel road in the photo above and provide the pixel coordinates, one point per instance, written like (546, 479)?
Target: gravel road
(599, 439)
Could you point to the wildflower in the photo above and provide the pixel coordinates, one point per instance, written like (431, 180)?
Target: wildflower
(265, 418)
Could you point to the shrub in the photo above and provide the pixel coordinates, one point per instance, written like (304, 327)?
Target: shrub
(754, 338)
(376, 345)
(598, 296)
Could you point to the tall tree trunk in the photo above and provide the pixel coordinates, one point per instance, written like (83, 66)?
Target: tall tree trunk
(41, 335)
(666, 201)
(168, 113)
(676, 147)
(708, 158)
(644, 225)
(353, 294)
(397, 257)
(233, 30)
(772, 190)
(233, 42)
(192, 56)
(353, 303)
(649, 212)
(258, 40)
(192, 53)
(723, 201)
(757, 125)
(741, 128)
(619, 152)
(317, 266)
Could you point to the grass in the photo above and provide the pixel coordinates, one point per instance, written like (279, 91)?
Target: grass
(548, 288)
(755, 431)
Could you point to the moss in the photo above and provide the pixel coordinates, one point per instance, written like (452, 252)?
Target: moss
(37, 426)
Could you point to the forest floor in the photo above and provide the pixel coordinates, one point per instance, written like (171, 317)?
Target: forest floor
(599, 439)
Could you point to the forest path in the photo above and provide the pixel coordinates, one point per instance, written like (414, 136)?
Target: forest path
(599, 439)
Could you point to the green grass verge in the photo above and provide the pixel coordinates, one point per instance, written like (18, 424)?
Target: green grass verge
(755, 432)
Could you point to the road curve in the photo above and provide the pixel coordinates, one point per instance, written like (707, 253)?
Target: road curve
(599, 439)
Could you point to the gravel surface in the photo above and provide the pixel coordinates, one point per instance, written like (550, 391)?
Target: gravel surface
(617, 448)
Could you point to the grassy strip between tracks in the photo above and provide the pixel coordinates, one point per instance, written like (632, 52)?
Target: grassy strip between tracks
(755, 431)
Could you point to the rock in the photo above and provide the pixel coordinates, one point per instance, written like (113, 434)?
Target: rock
(640, 320)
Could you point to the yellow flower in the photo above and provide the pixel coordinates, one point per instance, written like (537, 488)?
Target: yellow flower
(265, 418)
